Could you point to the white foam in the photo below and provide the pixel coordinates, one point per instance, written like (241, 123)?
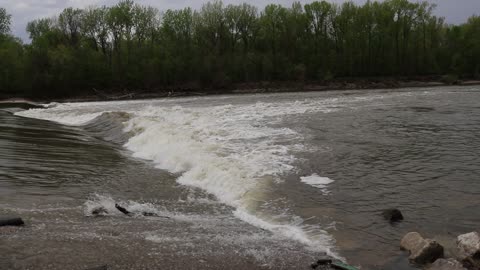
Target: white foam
(234, 152)
(62, 113)
(108, 203)
(160, 239)
(210, 147)
(317, 181)
(319, 240)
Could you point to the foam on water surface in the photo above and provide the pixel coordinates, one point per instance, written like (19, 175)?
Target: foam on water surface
(317, 181)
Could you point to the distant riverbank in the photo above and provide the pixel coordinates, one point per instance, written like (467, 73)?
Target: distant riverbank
(249, 88)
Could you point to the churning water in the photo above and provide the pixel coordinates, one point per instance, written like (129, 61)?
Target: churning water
(254, 181)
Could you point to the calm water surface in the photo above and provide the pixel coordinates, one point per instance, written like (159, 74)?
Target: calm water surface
(254, 181)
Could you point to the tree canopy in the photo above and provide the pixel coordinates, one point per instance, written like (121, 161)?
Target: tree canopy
(131, 46)
(5, 20)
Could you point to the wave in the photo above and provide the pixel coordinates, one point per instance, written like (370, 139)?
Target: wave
(228, 151)
(235, 152)
(109, 126)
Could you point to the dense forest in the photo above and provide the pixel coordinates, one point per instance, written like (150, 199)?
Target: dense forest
(130, 46)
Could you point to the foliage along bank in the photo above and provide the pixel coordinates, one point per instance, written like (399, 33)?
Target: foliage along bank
(130, 46)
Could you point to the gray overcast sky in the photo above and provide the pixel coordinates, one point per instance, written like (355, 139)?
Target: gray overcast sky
(23, 11)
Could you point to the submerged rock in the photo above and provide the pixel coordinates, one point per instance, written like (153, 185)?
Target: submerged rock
(11, 222)
(324, 261)
(99, 211)
(392, 215)
(327, 263)
(123, 210)
(446, 264)
(422, 251)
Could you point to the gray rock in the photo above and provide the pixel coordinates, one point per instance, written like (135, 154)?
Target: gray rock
(422, 251)
(446, 264)
(411, 240)
(469, 250)
(469, 244)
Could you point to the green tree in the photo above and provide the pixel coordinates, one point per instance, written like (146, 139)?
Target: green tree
(5, 21)
(69, 22)
(132, 46)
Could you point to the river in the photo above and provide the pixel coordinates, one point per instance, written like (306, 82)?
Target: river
(239, 182)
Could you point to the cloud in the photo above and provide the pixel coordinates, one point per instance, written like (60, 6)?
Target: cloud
(24, 11)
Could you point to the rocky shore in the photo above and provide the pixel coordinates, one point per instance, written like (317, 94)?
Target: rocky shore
(431, 255)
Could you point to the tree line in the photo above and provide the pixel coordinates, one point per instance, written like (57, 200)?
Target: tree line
(130, 46)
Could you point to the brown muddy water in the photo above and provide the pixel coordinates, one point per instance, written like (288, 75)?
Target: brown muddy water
(239, 182)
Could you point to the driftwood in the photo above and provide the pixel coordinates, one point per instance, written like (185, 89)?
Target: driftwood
(123, 210)
(105, 96)
(128, 213)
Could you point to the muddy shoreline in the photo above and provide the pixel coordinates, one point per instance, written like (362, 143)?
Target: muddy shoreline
(245, 88)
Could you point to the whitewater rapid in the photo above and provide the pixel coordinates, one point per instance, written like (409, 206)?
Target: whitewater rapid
(236, 152)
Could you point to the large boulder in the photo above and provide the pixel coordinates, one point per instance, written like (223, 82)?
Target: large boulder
(469, 249)
(469, 244)
(444, 264)
(422, 251)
